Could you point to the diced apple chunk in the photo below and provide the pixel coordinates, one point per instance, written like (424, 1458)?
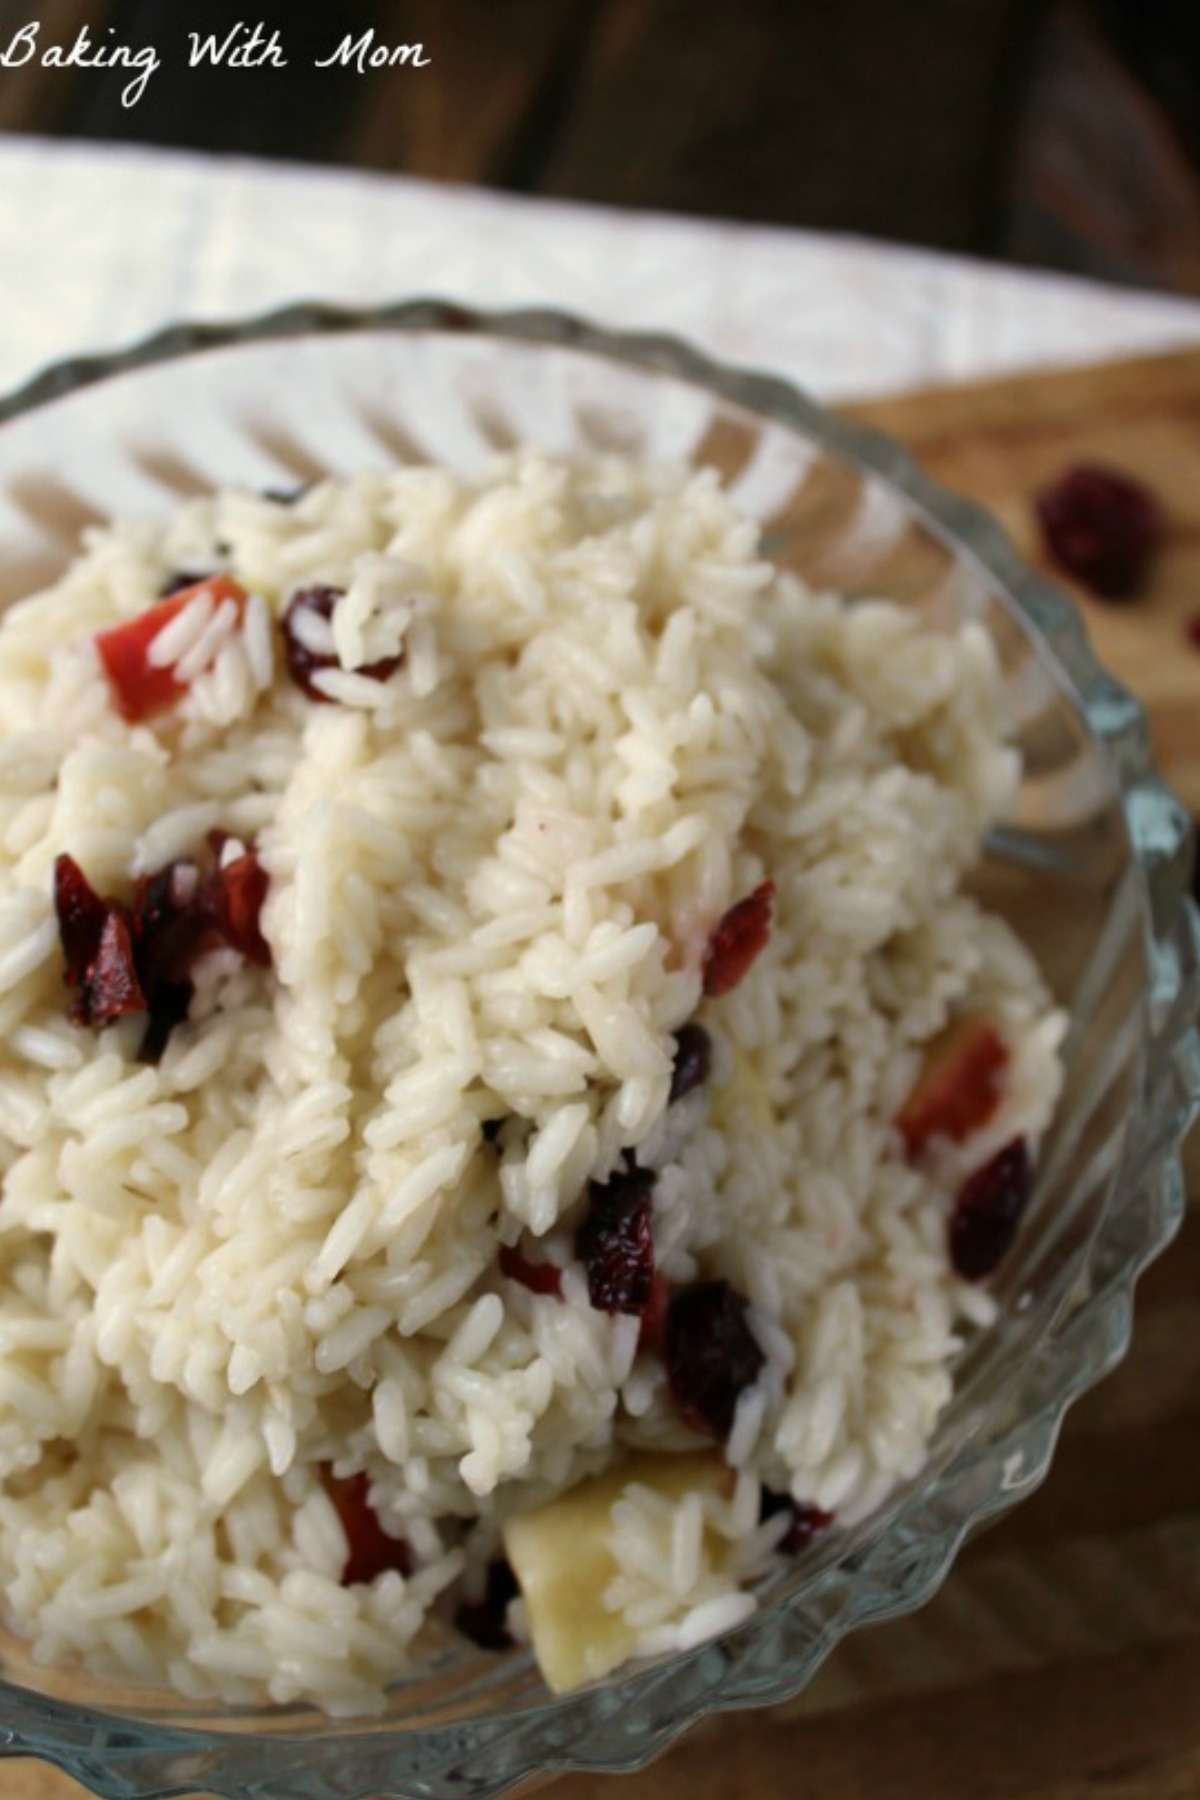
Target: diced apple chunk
(743, 1097)
(560, 1556)
(959, 1084)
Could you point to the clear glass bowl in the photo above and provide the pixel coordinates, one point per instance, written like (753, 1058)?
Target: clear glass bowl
(1093, 870)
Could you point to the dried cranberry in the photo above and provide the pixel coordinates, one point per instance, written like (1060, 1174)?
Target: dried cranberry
(653, 1332)
(168, 1007)
(81, 915)
(737, 939)
(138, 958)
(234, 896)
(538, 1277)
(110, 986)
(372, 1550)
(959, 1084)
(168, 931)
(693, 1060)
(807, 1522)
(988, 1210)
(483, 1621)
(97, 937)
(139, 687)
(712, 1356)
(1191, 630)
(615, 1245)
(302, 663)
(166, 921)
(1101, 527)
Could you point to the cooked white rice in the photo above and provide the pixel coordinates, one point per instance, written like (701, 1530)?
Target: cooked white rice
(492, 880)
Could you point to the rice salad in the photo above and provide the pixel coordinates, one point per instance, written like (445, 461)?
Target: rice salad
(506, 1107)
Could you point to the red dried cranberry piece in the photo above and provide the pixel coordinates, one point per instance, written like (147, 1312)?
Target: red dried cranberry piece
(483, 1621)
(959, 1084)
(139, 688)
(110, 986)
(693, 1060)
(303, 663)
(168, 1007)
(614, 1242)
(139, 959)
(653, 1333)
(538, 1277)
(234, 896)
(807, 1522)
(371, 1548)
(1101, 527)
(738, 938)
(168, 927)
(98, 949)
(988, 1211)
(166, 920)
(81, 915)
(712, 1356)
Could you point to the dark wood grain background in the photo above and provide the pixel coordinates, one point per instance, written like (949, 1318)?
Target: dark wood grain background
(1060, 132)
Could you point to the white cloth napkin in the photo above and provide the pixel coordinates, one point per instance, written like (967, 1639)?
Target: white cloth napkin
(100, 245)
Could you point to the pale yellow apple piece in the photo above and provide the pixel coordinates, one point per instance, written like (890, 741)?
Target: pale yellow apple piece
(562, 1562)
(744, 1096)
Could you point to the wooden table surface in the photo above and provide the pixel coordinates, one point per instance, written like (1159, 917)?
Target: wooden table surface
(1061, 1660)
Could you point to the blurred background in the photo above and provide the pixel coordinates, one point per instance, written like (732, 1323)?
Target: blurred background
(1059, 133)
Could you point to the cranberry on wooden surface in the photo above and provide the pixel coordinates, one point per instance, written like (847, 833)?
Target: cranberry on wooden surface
(959, 1084)
(615, 1245)
(1100, 526)
(712, 1356)
(738, 938)
(988, 1210)
(372, 1550)
(304, 664)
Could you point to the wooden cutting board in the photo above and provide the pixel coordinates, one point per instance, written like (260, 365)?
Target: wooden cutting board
(1061, 1661)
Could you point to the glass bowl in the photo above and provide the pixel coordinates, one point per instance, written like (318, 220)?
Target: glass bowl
(1093, 869)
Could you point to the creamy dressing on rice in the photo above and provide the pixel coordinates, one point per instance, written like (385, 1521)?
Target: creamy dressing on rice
(492, 878)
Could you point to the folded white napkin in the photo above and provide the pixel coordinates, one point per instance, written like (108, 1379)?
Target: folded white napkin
(102, 244)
